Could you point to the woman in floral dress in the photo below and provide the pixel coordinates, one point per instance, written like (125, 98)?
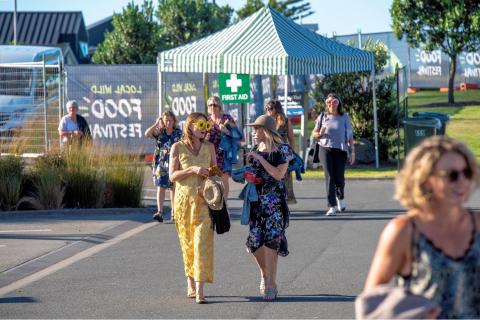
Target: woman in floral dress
(269, 216)
(166, 133)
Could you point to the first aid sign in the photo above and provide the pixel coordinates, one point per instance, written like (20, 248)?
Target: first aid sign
(234, 88)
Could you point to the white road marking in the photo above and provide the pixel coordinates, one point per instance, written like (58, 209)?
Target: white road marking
(75, 258)
(20, 231)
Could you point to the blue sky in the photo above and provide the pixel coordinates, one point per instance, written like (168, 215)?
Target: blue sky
(340, 16)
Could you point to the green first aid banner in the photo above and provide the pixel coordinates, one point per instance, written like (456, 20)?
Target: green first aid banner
(234, 88)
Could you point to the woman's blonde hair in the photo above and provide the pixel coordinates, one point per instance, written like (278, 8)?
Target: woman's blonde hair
(420, 164)
(272, 140)
(187, 132)
(216, 100)
(169, 113)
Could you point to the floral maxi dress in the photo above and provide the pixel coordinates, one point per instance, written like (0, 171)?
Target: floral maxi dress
(269, 217)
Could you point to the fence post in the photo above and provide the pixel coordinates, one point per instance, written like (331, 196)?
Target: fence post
(45, 104)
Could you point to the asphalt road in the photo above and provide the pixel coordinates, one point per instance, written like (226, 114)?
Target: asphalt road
(129, 267)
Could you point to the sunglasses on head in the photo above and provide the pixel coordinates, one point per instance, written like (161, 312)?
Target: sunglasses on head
(454, 175)
(203, 125)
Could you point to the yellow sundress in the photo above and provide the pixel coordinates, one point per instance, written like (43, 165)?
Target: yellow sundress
(192, 219)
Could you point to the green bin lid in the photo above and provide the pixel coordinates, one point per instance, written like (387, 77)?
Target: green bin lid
(423, 122)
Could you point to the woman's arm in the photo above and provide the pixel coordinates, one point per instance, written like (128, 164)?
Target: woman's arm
(174, 171)
(213, 155)
(277, 172)
(290, 135)
(154, 127)
(393, 252)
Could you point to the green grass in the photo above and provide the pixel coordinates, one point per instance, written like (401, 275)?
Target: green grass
(465, 122)
(464, 125)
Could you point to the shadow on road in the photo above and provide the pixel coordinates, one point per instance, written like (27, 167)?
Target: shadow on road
(286, 298)
(17, 300)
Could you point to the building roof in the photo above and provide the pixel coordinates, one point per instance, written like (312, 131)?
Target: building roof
(42, 28)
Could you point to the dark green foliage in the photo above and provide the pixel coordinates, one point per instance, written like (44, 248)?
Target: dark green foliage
(452, 26)
(355, 91)
(135, 37)
(294, 9)
(183, 21)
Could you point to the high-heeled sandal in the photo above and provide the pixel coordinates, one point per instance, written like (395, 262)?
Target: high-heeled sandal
(270, 294)
(200, 299)
(158, 216)
(262, 286)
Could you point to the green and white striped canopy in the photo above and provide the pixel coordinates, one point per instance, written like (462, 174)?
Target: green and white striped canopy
(266, 43)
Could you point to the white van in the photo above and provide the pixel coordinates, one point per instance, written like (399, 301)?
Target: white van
(21, 82)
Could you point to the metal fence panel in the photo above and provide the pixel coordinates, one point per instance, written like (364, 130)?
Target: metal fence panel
(30, 99)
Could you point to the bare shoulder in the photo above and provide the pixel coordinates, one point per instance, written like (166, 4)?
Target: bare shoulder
(476, 215)
(208, 144)
(398, 229)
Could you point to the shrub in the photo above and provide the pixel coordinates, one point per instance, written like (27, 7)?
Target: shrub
(11, 169)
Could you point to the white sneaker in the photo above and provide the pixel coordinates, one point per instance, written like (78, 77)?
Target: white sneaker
(331, 212)
(341, 204)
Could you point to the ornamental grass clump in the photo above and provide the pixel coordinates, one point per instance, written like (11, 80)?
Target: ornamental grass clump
(85, 182)
(46, 186)
(124, 179)
(11, 170)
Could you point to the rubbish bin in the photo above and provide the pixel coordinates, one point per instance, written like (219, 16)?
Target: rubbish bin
(443, 117)
(419, 128)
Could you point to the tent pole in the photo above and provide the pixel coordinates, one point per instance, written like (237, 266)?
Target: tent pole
(160, 92)
(285, 98)
(375, 120)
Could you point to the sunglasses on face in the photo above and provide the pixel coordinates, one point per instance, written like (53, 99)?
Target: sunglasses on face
(268, 109)
(454, 175)
(203, 125)
(212, 105)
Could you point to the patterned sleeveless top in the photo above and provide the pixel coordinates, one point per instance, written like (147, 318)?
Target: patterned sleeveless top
(453, 283)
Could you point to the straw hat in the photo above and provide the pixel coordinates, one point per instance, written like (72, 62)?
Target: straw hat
(267, 122)
(212, 192)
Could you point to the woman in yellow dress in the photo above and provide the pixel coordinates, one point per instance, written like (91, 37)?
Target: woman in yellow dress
(190, 159)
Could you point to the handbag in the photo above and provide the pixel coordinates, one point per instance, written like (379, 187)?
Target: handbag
(220, 219)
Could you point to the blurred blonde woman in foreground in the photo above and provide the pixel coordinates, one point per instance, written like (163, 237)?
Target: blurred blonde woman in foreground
(434, 249)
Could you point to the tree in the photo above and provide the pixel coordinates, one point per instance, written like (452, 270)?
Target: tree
(183, 21)
(451, 25)
(355, 91)
(134, 39)
(294, 9)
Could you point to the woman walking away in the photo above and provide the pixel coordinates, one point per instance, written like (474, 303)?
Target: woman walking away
(269, 216)
(166, 133)
(334, 131)
(434, 249)
(222, 124)
(190, 160)
(284, 127)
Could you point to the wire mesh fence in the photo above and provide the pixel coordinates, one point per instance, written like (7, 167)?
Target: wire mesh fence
(31, 95)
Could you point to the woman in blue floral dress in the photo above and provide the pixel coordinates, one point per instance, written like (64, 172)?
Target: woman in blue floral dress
(269, 216)
(166, 133)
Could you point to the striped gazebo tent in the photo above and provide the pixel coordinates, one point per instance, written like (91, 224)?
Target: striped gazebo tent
(268, 43)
